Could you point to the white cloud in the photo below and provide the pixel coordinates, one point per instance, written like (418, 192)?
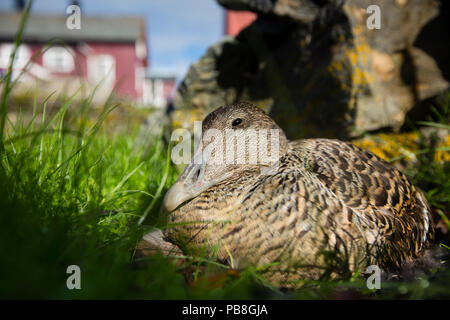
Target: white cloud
(177, 68)
(177, 42)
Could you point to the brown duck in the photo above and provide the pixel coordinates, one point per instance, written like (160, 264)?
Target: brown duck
(318, 197)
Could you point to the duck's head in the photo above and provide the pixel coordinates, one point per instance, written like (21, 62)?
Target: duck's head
(236, 138)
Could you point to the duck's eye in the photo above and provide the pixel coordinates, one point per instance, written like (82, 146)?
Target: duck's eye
(236, 122)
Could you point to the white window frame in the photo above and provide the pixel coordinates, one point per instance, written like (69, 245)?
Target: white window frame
(102, 68)
(23, 55)
(58, 59)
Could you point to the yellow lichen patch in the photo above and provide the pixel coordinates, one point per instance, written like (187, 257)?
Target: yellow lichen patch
(361, 74)
(359, 78)
(184, 118)
(443, 153)
(352, 57)
(359, 57)
(364, 51)
(403, 146)
(390, 146)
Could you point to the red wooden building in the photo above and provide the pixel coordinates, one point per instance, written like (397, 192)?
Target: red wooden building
(235, 21)
(107, 50)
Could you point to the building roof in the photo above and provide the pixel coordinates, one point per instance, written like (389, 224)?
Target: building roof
(162, 76)
(42, 28)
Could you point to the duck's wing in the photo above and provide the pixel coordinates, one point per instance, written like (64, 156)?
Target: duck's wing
(290, 216)
(287, 214)
(374, 189)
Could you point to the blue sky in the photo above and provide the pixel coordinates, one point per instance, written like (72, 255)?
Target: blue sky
(179, 31)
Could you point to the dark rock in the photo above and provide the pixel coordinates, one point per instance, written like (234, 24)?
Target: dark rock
(316, 67)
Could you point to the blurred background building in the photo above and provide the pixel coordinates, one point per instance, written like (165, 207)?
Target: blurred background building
(158, 89)
(235, 21)
(110, 51)
(119, 48)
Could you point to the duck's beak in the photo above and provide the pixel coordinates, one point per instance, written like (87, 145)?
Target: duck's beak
(190, 184)
(176, 195)
(192, 181)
